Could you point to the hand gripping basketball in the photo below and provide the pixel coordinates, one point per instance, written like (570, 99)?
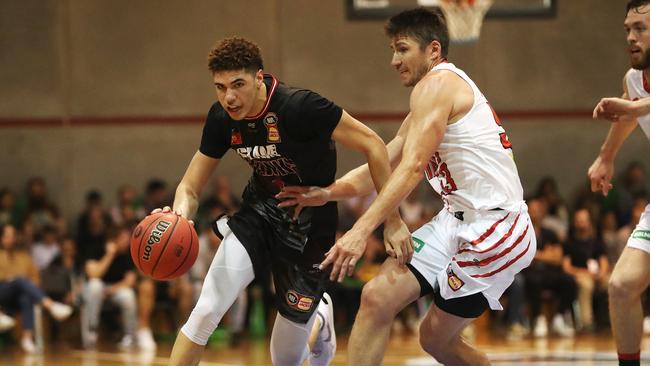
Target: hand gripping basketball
(164, 245)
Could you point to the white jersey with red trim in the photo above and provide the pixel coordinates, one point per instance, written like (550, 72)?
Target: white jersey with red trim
(638, 88)
(474, 168)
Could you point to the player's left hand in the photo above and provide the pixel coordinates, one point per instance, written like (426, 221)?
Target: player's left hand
(345, 254)
(615, 109)
(397, 240)
(302, 196)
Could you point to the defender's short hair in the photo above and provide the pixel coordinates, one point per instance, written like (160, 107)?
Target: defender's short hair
(235, 53)
(422, 24)
(633, 4)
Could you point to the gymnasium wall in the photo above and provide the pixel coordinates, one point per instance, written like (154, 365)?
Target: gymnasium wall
(95, 93)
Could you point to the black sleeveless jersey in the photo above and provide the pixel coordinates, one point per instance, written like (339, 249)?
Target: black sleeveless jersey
(288, 143)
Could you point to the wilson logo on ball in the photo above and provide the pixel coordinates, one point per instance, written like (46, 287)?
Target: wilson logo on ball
(154, 238)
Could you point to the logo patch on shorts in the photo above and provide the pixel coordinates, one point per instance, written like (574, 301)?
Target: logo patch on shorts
(454, 282)
(417, 244)
(641, 234)
(299, 302)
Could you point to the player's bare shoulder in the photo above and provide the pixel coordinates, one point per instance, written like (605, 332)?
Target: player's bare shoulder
(450, 86)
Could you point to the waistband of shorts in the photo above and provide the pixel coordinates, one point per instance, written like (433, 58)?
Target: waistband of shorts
(470, 215)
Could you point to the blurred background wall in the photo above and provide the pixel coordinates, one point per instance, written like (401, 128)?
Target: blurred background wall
(96, 93)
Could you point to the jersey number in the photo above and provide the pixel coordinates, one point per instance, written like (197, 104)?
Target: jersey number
(436, 168)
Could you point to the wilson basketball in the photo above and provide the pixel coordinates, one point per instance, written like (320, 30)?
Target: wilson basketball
(164, 246)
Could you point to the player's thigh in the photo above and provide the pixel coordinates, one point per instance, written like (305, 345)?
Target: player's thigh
(393, 288)
(632, 271)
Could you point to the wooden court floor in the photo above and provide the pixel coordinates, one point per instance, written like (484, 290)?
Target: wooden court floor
(581, 350)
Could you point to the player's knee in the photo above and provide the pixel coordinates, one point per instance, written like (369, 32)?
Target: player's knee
(621, 289)
(204, 314)
(433, 346)
(376, 301)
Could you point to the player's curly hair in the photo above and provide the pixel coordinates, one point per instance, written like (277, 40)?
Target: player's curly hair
(422, 24)
(235, 53)
(635, 4)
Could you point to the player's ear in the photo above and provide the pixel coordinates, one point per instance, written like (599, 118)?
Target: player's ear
(259, 78)
(434, 50)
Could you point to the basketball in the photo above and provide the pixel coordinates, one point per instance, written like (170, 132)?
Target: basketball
(164, 246)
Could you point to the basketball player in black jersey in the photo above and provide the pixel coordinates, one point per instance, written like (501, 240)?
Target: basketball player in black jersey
(287, 136)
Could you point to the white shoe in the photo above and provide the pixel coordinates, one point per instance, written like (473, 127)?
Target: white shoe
(145, 340)
(60, 311)
(646, 325)
(6, 322)
(325, 347)
(28, 345)
(127, 343)
(561, 328)
(541, 329)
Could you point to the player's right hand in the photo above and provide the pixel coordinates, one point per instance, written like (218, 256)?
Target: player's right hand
(302, 196)
(397, 240)
(600, 174)
(343, 256)
(168, 209)
(615, 109)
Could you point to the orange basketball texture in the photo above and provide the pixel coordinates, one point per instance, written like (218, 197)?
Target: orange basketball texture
(164, 246)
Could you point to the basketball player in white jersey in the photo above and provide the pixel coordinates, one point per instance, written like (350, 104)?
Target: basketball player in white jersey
(631, 275)
(469, 253)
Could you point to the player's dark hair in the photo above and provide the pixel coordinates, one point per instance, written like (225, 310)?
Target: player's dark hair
(422, 24)
(635, 4)
(235, 53)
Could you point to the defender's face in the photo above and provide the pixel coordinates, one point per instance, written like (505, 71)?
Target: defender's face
(409, 60)
(637, 27)
(237, 91)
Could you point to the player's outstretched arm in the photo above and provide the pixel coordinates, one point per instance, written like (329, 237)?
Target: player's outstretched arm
(601, 170)
(186, 200)
(357, 182)
(431, 104)
(620, 109)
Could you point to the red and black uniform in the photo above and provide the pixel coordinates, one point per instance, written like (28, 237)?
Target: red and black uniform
(288, 143)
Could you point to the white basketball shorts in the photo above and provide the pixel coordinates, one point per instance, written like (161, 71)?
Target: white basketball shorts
(480, 253)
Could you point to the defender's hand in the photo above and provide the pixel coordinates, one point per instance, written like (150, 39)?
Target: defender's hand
(600, 174)
(301, 196)
(615, 109)
(397, 240)
(345, 254)
(168, 209)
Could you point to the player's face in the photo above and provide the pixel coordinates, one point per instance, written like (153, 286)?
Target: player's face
(239, 92)
(411, 61)
(637, 26)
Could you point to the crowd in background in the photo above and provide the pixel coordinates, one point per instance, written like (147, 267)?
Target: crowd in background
(79, 268)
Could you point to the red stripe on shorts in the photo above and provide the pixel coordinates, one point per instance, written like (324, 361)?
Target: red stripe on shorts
(491, 259)
(506, 236)
(489, 231)
(508, 264)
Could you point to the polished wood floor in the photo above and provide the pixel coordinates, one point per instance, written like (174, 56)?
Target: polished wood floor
(581, 350)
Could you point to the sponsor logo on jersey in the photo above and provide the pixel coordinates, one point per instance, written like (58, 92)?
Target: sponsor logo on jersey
(271, 124)
(299, 301)
(235, 138)
(641, 234)
(154, 238)
(418, 244)
(454, 282)
(258, 152)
